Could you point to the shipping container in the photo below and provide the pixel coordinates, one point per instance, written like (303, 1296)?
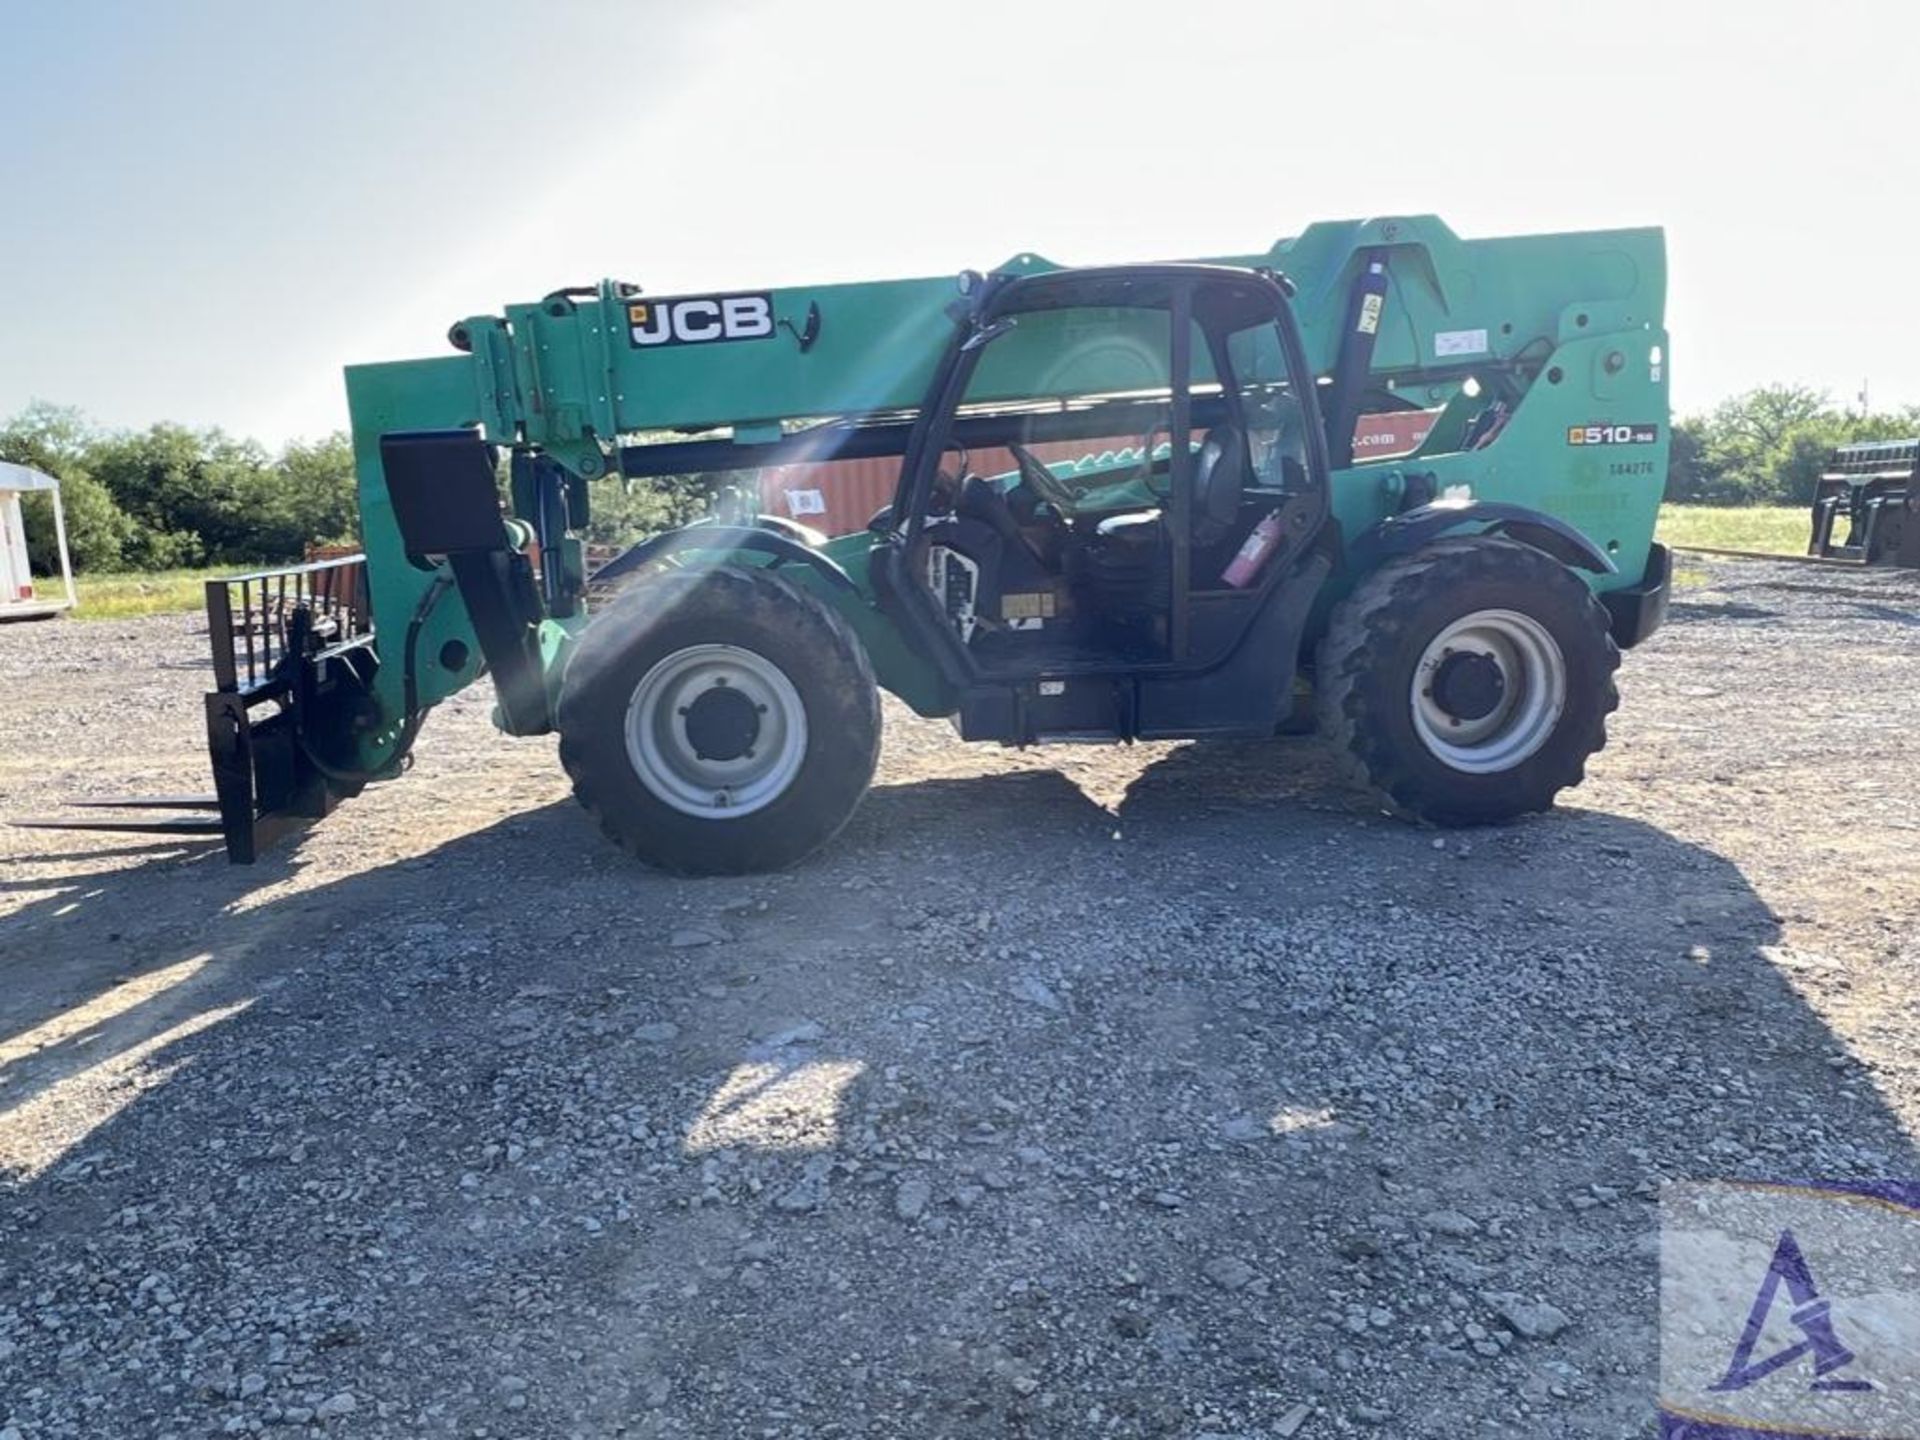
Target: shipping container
(838, 497)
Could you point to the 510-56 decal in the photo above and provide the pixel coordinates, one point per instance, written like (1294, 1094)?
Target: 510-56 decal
(1613, 434)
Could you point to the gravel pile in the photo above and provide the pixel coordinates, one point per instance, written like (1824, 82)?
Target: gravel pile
(1149, 1091)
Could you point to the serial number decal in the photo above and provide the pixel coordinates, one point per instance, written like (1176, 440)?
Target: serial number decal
(700, 319)
(1613, 434)
(1631, 467)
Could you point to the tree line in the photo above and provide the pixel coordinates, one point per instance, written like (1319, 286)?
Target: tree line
(1768, 446)
(169, 497)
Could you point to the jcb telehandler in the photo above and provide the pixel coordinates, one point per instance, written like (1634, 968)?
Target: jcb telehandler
(1128, 507)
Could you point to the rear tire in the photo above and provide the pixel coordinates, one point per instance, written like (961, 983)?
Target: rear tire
(719, 721)
(1469, 682)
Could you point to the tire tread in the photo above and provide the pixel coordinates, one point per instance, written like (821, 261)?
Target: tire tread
(1381, 610)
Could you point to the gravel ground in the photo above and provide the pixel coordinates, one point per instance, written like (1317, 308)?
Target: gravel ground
(1127, 1091)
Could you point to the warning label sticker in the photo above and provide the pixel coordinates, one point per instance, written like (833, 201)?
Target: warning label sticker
(1459, 342)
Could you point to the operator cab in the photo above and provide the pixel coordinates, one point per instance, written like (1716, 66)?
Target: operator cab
(1100, 447)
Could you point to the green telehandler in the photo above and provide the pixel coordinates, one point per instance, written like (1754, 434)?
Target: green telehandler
(1176, 538)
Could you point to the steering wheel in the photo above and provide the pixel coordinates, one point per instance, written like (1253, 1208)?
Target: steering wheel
(1034, 471)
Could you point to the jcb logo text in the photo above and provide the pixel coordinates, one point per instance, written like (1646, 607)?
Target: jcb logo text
(700, 319)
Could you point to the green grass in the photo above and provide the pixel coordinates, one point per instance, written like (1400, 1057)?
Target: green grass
(1778, 528)
(160, 592)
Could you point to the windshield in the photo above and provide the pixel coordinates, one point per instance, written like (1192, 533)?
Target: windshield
(1105, 374)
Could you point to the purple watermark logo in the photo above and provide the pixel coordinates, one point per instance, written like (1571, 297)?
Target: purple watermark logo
(1812, 1316)
(1790, 1310)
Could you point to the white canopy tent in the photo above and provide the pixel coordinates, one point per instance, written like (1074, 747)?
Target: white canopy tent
(18, 598)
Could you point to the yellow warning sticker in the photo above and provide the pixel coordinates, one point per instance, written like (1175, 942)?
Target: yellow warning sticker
(1034, 605)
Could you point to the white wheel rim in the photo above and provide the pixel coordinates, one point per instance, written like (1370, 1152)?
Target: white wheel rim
(1531, 687)
(716, 731)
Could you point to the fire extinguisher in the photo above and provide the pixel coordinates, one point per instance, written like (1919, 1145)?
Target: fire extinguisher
(1247, 562)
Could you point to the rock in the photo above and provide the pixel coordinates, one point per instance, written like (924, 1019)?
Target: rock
(1529, 1319)
(911, 1199)
(252, 1385)
(1036, 991)
(657, 1032)
(793, 1032)
(1288, 1425)
(1243, 1129)
(10, 1433)
(1462, 1271)
(1450, 1222)
(1131, 1324)
(809, 1192)
(1356, 1247)
(343, 1403)
(1229, 1272)
(690, 939)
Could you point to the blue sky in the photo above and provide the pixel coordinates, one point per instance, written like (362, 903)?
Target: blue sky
(211, 207)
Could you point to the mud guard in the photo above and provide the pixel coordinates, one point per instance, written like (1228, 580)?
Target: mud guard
(768, 535)
(1410, 530)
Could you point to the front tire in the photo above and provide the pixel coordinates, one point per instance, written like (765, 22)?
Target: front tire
(1468, 683)
(719, 721)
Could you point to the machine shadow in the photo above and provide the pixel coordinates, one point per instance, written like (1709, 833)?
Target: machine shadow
(1251, 1021)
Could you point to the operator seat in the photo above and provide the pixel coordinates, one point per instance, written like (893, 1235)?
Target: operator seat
(1219, 480)
(1128, 559)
